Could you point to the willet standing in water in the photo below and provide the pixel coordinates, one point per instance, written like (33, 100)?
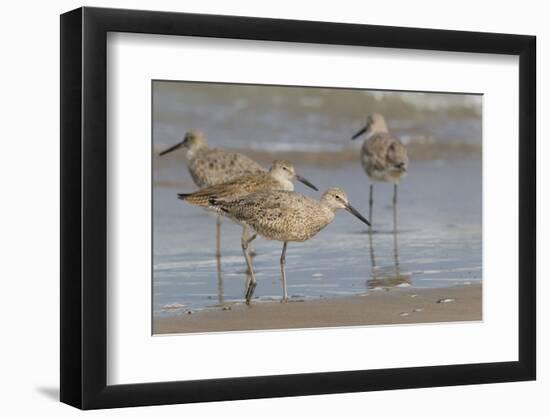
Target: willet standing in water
(211, 166)
(285, 216)
(279, 177)
(383, 156)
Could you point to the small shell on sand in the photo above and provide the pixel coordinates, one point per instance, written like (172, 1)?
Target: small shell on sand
(446, 300)
(404, 314)
(418, 310)
(414, 295)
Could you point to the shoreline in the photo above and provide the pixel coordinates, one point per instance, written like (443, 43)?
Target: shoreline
(416, 152)
(401, 306)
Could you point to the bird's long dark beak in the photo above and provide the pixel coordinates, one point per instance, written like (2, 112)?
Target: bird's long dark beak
(306, 182)
(363, 130)
(172, 148)
(352, 210)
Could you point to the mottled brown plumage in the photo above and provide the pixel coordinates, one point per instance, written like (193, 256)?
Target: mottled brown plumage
(280, 215)
(211, 166)
(285, 216)
(383, 156)
(215, 166)
(279, 177)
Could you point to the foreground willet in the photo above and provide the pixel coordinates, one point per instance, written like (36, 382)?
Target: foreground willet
(285, 216)
(383, 156)
(211, 166)
(279, 177)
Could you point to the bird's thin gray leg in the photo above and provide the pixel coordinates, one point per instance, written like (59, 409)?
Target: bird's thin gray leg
(372, 257)
(370, 205)
(218, 235)
(245, 240)
(396, 252)
(244, 237)
(372, 260)
(395, 208)
(283, 274)
(251, 285)
(220, 279)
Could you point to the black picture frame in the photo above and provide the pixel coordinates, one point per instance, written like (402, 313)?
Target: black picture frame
(84, 207)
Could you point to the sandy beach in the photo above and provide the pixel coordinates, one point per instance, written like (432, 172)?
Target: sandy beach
(399, 306)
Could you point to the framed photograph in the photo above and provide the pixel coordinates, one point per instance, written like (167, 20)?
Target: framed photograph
(257, 208)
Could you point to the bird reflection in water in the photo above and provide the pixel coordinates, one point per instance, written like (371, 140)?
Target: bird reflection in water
(220, 278)
(389, 275)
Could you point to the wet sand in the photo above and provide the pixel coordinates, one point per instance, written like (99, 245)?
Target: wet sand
(399, 306)
(417, 152)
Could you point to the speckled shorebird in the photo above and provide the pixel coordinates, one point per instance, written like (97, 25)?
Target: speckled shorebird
(211, 166)
(279, 177)
(285, 216)
(383, 156)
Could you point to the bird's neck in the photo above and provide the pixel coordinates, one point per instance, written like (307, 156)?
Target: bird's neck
(379, 127)
(329, 209)
(282, 180)
(195, 151)
(329, 215)
(376, 130)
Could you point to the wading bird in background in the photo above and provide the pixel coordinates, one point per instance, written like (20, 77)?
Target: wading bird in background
(383, 156)
(285, 216)
(211, 166)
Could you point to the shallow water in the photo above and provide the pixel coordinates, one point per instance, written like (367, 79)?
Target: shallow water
(438, 242)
